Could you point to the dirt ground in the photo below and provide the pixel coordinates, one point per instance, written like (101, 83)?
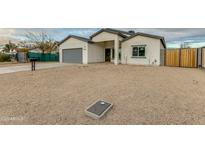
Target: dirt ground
(4, 64)
(141, 95)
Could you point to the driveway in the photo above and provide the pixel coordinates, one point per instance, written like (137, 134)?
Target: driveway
(27, 67)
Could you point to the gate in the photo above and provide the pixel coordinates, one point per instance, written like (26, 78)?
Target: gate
(172, 57)
(181, 57)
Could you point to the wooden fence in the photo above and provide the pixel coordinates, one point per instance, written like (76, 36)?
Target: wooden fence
(172, 57)
(181, 57)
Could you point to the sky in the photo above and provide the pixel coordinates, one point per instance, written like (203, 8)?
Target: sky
(195, 37)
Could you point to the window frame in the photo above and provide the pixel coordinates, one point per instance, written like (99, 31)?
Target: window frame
(138, 46)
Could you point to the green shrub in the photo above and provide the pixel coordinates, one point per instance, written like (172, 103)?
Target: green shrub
(4, 57)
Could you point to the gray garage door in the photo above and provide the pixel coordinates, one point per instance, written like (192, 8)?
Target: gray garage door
(72, 55)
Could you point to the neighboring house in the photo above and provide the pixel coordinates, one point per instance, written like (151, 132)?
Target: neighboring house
(116, 46)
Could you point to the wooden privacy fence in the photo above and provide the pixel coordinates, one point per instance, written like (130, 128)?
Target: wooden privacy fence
(172, 57)
(181, 57)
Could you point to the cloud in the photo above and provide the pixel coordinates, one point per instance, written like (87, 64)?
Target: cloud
(173, 36)
(56, 33)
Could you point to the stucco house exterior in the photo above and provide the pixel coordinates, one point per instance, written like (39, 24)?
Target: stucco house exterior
(115, 46)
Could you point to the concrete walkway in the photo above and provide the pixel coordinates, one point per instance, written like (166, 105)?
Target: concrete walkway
(27, 67)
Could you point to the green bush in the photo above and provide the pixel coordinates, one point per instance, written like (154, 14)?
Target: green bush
(4, 57)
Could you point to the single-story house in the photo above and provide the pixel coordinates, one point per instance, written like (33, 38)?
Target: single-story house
(115, 46)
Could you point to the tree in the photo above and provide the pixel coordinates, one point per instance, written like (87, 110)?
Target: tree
(42, 41)
(9, 47)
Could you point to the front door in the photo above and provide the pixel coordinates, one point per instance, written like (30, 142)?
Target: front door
(107, 55)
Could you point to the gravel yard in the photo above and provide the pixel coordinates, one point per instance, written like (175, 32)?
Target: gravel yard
(141, 95)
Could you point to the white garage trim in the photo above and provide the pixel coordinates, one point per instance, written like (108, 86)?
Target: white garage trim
(72, 43)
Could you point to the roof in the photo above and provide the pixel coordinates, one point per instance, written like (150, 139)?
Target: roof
(113, 31)
(120, 31)
(147, 35)
(76, 37)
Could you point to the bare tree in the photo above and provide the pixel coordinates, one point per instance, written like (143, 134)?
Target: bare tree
(42, 41)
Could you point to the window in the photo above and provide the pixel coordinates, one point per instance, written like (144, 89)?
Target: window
(135, 52)
(138, 51)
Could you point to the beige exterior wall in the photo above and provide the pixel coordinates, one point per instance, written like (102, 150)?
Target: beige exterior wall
(105, 36)
(74, 43)
(109, 44)
(152, 51)
(96, 53)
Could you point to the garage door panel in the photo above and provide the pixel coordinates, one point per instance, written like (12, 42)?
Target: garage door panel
(72, 55)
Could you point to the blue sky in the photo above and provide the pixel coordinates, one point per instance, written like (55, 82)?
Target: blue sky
(173, 36)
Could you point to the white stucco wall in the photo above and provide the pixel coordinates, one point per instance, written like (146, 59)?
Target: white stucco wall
(109, 44)
(96, 53)
(74, 43)
(152, 51)
(105, 36)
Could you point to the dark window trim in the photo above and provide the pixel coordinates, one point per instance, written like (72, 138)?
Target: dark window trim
(133, 46)
(143, 45)
(140, 57)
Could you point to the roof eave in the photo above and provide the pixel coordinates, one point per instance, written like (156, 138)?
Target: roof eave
(108, 31)
(147, 35)
(164, 43)
(120, 31)
(76, 37)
